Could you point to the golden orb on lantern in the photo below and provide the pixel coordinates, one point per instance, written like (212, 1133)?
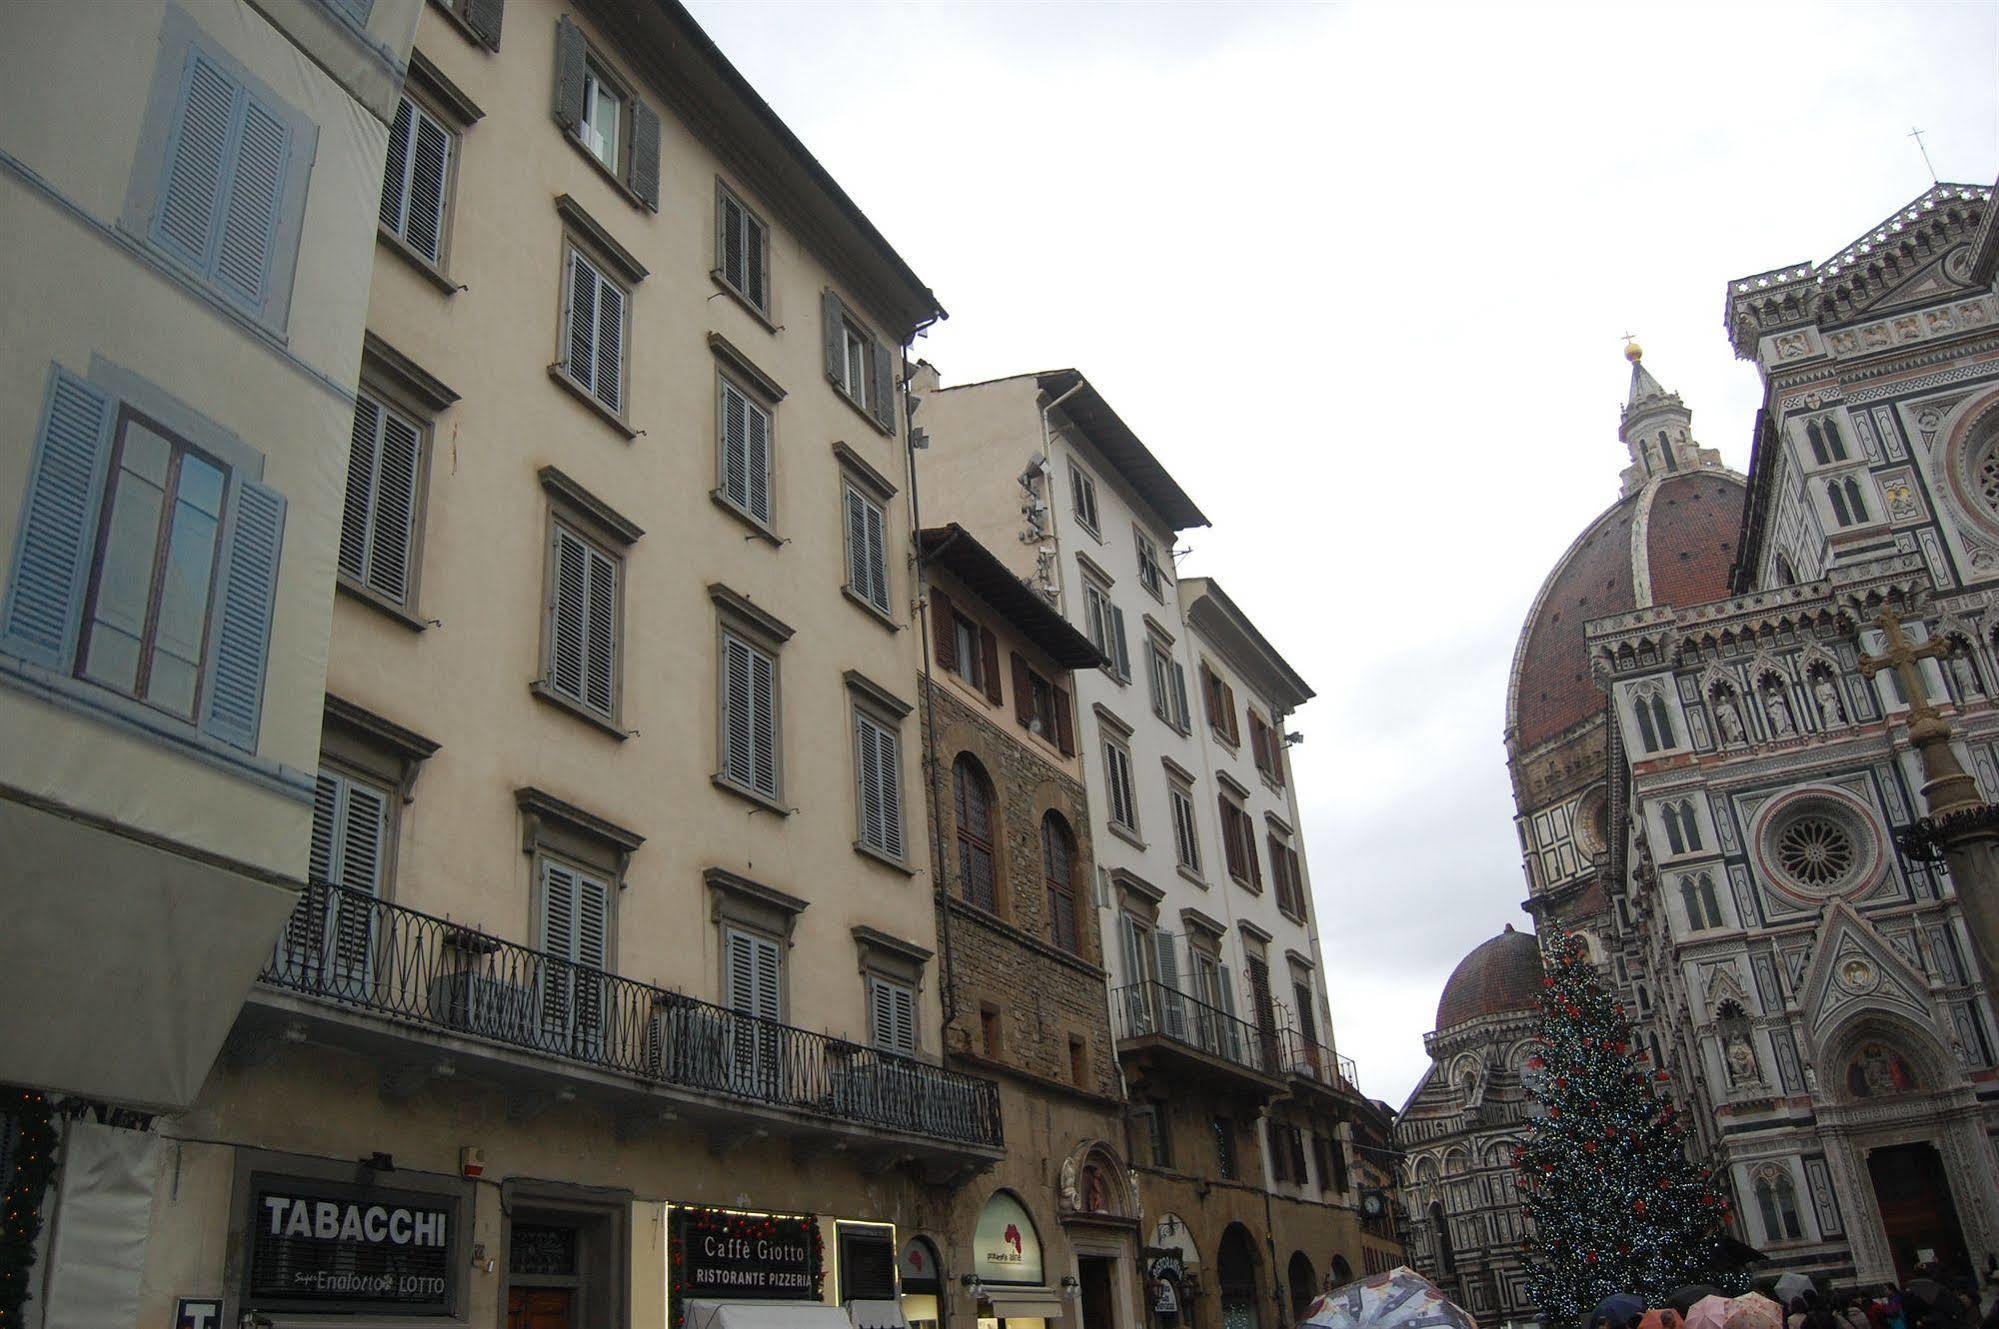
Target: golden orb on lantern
(1633, 352)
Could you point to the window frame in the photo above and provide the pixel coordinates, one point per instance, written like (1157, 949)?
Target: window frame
(396, 384)
(1083, 494)
(598, 74)
(181, 41)
(874, 980)
(577, 249)
(873, 706)
(966, 841)
(1186, 826)
(1053, 821)
(1147, 551)
(755, 400)
(738, 619)
(436, 97)
(762, 310)
(1234, 799)
(1117, 759)
(573, 511)
(878, 368)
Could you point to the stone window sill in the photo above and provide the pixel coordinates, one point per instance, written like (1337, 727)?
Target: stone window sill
(428, 270)
(728, 786)
(885, 859)
(381, 604)
(588, 398)
(542, 691)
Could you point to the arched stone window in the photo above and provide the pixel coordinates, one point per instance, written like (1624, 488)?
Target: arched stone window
(1666, 452)
(1447, 1258)
(1058, 870)
(1817, 440)
(1703, 906)
(1655, 722)
(1833, 442)
(1777, 1203)
(1786, 574)
(973, 796)
(1683, 829)
(1848, 508)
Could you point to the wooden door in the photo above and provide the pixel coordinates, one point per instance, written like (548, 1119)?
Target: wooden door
(540, 1308)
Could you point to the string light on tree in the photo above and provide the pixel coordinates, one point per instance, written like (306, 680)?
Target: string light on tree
(34, 1166)
(1616, 1204)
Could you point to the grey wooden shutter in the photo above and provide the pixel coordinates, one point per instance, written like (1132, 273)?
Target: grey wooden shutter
(582, 361)
(378, 518)
(58, 524)
(877, 558)
(1181, 711)
(1174, 1013)
(484, 18)
(867, 760)
(609, 383)
(833, 320)
(1122, 659)
(242, 632)
(1065, 725)
(1134, 966)
(395, 167)
(575, 930)
(583, 624)
(887, 798)
(1023, 693)
(881, 360)
(729, 261)
(430, 164)
(570, 54)
(304, 935)
(645, 153)
(600, 659)
(756, 251)
(735, 446)
(893, 1011)
(857, 544)
(754, 976)
(363, 832)
(749, 685)
(757, 459)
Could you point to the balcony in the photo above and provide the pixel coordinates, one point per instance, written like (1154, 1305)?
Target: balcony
(1315, 1067)
(1165, 1031)
(521, 1015)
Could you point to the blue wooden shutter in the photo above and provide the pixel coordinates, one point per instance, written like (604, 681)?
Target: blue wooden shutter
(58, 524)
(251, 204)
(243, 631)
(197, 162)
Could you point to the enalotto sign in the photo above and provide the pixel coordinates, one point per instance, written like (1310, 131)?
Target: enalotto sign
(325, 1246)
(745, 1257)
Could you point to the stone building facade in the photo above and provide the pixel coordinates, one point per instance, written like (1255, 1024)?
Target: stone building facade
(1459, 1128)
(1735, 707)
(1024, 1001)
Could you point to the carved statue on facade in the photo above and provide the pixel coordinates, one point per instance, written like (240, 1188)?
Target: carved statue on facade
(1728, 719)
(1779, 708)
(1831, 713)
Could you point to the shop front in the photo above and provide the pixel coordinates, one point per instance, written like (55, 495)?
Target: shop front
(1007, 1272)
(733, 1269)
(922, 1279)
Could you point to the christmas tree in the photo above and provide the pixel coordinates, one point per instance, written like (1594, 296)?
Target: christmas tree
(1615, 1203)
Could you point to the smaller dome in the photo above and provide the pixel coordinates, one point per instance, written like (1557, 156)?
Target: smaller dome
(1503, 974)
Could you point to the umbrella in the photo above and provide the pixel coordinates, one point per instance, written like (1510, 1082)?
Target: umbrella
(1753, 1310)
(1618, 1308)
(1663, 1318)
(1398, 1299)
(1792, 1285)
(1682, 1299)
(1710, 1312)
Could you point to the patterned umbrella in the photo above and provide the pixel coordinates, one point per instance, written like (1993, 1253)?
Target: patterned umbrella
(1753, 1310)
(1708, 1313)
(1398, 1299)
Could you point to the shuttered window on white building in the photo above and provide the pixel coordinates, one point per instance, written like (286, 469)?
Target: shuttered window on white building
(378, 529)
(416, 179)
(593, 335)
(867, 549)
(892, 1015)
(583, 623)
(745, 453)
(749, 717)
(878, 770)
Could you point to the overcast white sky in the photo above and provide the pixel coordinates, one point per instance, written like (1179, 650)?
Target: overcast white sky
(1357, 275)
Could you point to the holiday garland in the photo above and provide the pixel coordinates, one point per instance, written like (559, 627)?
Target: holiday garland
(1616, 1204)
(730, 1223)
(33, 1165)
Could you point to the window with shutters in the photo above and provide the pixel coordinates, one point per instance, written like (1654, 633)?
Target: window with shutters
(966, 663)
(571, 991)
(329, 944)
(753, 986)
(605, 117)
(749, 699)
(878, 771)
(219, 190)
(1186, 836)
(1040, 707)
(867, 550)
(147, 561)
(891, 1015)
(1287, 877)
(1150, 574)
(1105, 623)
(480, 20)
(1120, 791)
(1220, 700)
(1058, 872)
(595, 316)
(1266, 747)
(965, 647)
(742, 251)
(859, 365)
(417, 177)
(743, 443)
(973, 815)
(583, 626)
(1239, 841)
(380, 527)
(1083, 499)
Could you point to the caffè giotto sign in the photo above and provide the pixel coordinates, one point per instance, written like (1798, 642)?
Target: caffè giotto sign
(1005, 1246)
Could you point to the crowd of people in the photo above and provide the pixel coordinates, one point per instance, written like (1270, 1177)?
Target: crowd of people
(1923, 1303)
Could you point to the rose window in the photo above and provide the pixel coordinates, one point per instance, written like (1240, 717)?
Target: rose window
(1986, 476)
(1815, 852)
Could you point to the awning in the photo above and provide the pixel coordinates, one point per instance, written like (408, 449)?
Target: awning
(765, 1315)
(877, 1315)
(1027, 1305)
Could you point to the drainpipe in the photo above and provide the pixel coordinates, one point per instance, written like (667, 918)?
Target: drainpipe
(946, 985)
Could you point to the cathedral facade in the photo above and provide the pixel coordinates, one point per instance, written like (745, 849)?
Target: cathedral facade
(1741, 709)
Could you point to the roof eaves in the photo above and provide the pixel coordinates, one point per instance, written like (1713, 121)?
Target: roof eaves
(1209, 589)
(1095, 418)
(982, 572)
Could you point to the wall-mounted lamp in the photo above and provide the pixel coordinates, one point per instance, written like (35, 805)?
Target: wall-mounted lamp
(1294, 738)
(973, 1285)
(1071, 1285)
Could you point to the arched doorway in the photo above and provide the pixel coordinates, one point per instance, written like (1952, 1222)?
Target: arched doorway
(1235, 1278)
(922, 1279)
(1007, 1259)
(1342, 1271)
(1447, 1259)
(1303, 1285)
(1918, 1212)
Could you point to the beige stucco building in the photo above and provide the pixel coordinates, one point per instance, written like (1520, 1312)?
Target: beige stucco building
(176, 386)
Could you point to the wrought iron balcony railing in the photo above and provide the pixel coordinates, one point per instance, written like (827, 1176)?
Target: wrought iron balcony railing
(351, 949)
(1154, 1008)
(1316, 1061)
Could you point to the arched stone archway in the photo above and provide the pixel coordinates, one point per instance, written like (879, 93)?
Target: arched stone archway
(1236, 1267)
(1342, 1273)
(1302, 1283)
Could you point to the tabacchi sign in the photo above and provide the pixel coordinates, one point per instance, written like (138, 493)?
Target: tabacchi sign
(330, 1247)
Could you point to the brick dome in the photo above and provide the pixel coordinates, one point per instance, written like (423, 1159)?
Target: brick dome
(1503, 974)
(1668, 542)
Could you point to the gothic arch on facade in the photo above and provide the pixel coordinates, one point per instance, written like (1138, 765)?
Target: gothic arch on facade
(1094, 1182)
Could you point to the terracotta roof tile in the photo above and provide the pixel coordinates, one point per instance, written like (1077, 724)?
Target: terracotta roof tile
(1503, 974)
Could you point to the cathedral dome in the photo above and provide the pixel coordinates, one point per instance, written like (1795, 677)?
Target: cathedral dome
(1668, 541)
(1503, 974)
